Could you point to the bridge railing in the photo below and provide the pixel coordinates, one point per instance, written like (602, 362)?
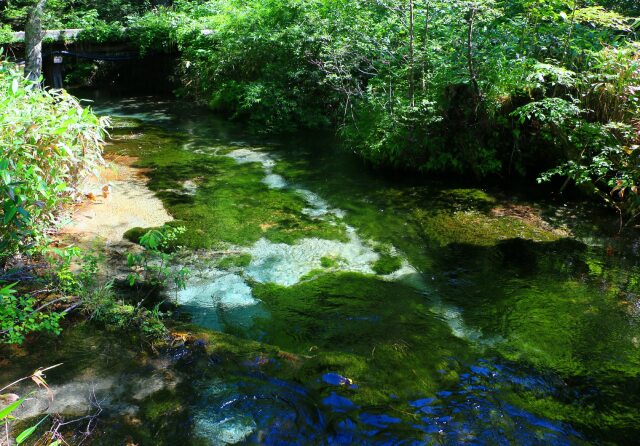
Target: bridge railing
(70, 34)
(54, 34)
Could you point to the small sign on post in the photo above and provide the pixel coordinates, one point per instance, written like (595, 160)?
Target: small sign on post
(57, 72)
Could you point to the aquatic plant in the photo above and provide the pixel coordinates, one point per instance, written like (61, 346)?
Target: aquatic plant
(116, 313)
(153, 267)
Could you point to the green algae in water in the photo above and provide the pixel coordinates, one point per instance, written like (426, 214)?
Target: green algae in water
(120, 123)
(234, 261)
(564, 320)
(331, 261)
(231, 203)
(408, 216)
(388, 263)
(348, 322)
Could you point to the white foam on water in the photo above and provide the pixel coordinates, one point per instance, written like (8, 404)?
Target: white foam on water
(243, 156)
(274, 181)
(221, 289)
(318, 206)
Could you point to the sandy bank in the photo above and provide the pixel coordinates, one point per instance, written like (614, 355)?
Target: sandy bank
(129, 204)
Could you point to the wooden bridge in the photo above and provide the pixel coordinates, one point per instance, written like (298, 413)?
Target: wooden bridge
(62, 47)
(54, 34)
(70, 34)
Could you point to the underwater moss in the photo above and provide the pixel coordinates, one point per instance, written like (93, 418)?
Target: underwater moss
(230, 205)
(160, 405)
(119, 123)
(134, 234)
(331, 261)
(387, 264)
(234, 261)
(477, 228)
(361, 327)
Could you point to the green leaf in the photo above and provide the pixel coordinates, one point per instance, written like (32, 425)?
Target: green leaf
(14, 86)
(4, 413)
(24, 213)
(26, 434)
(8, 216)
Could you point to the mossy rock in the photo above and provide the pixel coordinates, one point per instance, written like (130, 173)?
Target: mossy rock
(135, 234)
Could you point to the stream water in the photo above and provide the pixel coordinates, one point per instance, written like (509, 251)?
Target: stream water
(355, 308)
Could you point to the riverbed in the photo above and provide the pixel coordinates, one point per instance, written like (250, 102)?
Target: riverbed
(354, 306)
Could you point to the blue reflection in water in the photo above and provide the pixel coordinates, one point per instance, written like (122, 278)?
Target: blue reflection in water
(475, 412)
(254, 407)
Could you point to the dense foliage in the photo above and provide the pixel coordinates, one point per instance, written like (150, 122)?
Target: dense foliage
(473, 87)
(48, 142)
(76, 13)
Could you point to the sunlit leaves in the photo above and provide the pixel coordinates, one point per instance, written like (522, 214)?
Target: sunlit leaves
(48, 143)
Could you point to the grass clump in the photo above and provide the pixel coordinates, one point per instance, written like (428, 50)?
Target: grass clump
(104, 306)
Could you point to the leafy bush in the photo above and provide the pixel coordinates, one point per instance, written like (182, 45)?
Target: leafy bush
(597, 133)
(49, 142)
(20, 316)
(6, 34)
(103, 306)
(256, 63)
(153, 267)
(101, 32)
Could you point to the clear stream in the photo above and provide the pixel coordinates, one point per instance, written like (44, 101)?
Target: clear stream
(354, 308)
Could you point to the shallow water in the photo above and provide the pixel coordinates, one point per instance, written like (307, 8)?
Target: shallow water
(386, 310)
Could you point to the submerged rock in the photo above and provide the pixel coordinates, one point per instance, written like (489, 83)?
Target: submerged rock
(228, 430)
(286, 265)
(218, 298)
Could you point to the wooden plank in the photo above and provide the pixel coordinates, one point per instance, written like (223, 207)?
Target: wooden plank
(71, 34)
(54, 34)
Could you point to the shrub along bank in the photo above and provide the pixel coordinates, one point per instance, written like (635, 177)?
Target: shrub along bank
(48, 143)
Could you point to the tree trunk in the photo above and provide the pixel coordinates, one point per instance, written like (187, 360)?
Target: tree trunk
(424, 48)
(471, 18)
(412, 80)
(33, 41)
